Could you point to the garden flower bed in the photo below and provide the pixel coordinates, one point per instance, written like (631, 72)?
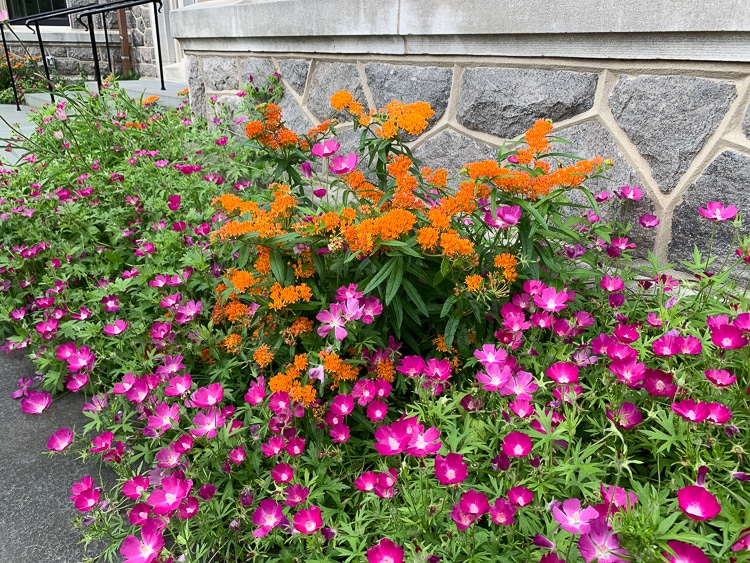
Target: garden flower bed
(294, 354)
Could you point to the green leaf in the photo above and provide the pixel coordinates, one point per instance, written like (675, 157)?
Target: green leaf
(447, 305)
(278, 267)
(450, 329)
(394, 280)
(413, 294)
(378, 278)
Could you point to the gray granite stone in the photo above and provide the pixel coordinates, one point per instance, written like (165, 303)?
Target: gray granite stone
(294, 118)
(221, 73)
(257, 68)
(294, 72)
(349, 139)
(452, 150)
(326, 80)
(588, 140)
(506, 101)
(669, 119)
(431, 84)
(746, 123)
(196, 87)
(725, 180)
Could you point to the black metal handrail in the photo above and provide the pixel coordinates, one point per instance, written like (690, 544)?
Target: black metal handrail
(88, 11)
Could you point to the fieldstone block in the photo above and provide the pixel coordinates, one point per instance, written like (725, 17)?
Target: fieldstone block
(294, 72)
(507, 101)
(258, 68)
(294, 118)
(592, 139)
(196, 88)
(452, 150)
(410, 84)
(329, 78)
(220, 73)
(725, 180)
(746, 123)
(669, 119)
(349, 140)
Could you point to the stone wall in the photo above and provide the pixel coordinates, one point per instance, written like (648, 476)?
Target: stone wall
(679, 132)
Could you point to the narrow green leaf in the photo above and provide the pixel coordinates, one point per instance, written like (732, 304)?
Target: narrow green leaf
(447, 306)
(450, 329)
(379, 277)
(394, 280)
(278, 267)
(413, 294)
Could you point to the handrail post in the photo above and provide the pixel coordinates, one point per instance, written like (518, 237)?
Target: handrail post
(97, 70)
(158, 43)
(10, 67)
(44, 62)
(106, 41)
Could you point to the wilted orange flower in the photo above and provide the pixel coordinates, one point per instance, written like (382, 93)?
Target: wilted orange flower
(301, 325)
(263, 355)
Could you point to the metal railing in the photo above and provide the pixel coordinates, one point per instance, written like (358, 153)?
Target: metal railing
(88, 11)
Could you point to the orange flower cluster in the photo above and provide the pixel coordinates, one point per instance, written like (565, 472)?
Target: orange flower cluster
(437, 178)
(342, 100)
(406, 183)
(263, 355)
(536, 141)
(232, 343)
(507, 262)
(411, 118)
(263, 262)
(388, 226)
(364, 189)
(150, 100)
(337, 369)
(304, 267)
(241, 280)
(473, 282)
(269, 131)
(132, 125)
(283, 296)
(319, 131)
(289, 382)
(265, 224)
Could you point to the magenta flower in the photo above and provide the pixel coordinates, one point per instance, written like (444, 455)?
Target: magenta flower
(490, 355)
(207, 491)
(517, 444)
(206, 424)
(715, 211)
(600, 544)
(385, 551)
(366, 481)
(474, 502)
(612, 284)
(649, 221)
(135, 487)
(282, 473)
(658, 383)
(551, 300)
(60, 440)
(81, 359)
(118, 327)
(364, 391)
(178, 385)
(84, 494)
(342, 404)
(74, 382)
(187, 312)
(718, 413)
(392, 440)
(205, 397)
(332, 320)
(424, 443)
(502, 512)
(728, 337)
(340, 433)
(36, 402)
(505, 217)
(690, 410)
(377, 411)
(628, 371)
(308, 520)
(451, 469)
(520, 496)
(697, 503)
(343, 164)
(522, 385)
(268, 515)
(625, 417)
(167, 499)
(325, 148)
(111, 303)
(629, 192)
(572, 518)
(147, 549)
(667, 345)
(463, 520)
(256, 392)
(685, 553)
(495, 377)
(563, 373)
(306, 169)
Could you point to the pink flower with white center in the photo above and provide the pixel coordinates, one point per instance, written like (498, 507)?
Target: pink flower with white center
(728, 337)
(667, 345)
(122, 387)
(171, 300)
(36, 402)
(626, 416)
(60, 440)
(697, 503)
(691, 345)
(563, 373)
(178, 385)
(341, 164)
(690, 410)
(282, 473)
(113, 329)
(273, 447)
(629, 192)
(296, 494)
(147, 549)
(366, 482)
(522, 385)
(348, 292)
(520, 496)
(279, 402)
(188, 508)
(268, 515)
(542, 319)
(437, 370)
(308, 520)
(205, 397)
(326, 148)
(463, 520)
(111, 303)
(74, 382)
(84, 494)
(295, 446)
(351, 310)
(363, 391)
(715, 211)
(627, 334)
(163, 417)
(138, 392)
(168, 457)
(237, 455)
(256, 392)
(332, 320)
(534, 287)
(572, 518)
(508, 215)
(187, 312)
(551, 300)
(206, 424)
(474, 502)
(517, 444)
(81, 359)
(502, 512)
(600, 544)
(342, 404)
(629, 371)
(451, 469)
(658, 383)
(495, 377)
(167, 498)
(173, 202)
(648, 221)
(102, 442)
(47, 329)
(617, 351)
(491, 355)
(685, 553)
(718, 413)
(385, 551)
(391, 440)
(135, 487)
(514, 319)
(371, 308)
(411, 366)
(424, 443)
(377, 411)
(522, 408)
(720, 377)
